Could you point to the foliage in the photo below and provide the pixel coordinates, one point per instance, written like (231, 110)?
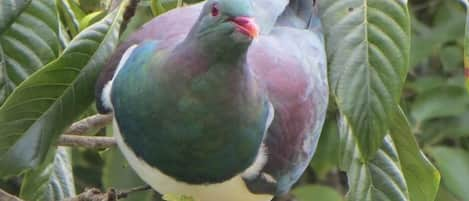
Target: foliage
(395, 72)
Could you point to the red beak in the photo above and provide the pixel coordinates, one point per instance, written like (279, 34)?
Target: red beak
(247, 26)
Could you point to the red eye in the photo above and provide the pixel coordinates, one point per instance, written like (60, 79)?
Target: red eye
(215, 10)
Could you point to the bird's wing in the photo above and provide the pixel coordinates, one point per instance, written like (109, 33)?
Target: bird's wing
(291, 62)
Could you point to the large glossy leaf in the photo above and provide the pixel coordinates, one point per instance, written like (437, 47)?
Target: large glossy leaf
(368, 44)
(454, 166)
(379, 179)
(421, 176)
(29, 40)
(52, 180)
(9, 11)
(43, 106)
(466, 45)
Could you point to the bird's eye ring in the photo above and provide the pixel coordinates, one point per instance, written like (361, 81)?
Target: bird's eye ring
(215, 10)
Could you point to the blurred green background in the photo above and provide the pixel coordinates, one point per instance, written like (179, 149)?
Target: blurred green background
(434, 98)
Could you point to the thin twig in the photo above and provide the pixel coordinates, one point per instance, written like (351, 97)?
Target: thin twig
(4, 196)
(89, 125)
(124, 194)
(89, 142)
(95, 194)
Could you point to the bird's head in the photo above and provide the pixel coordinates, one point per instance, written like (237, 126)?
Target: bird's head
(226, 22)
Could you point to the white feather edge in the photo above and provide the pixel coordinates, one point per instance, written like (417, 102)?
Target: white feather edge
(262, 156)
(106, 94)
(234, 189)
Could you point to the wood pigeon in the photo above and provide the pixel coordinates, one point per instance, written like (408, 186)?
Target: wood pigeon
(222, 100)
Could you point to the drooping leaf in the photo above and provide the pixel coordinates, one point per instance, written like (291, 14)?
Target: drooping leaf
(9, 11)
(91, 18)
(52, 180)
(71, 16)
(43, 106)
(28, 41)
(368, 44)
(466, 45)
(379, 179)
(454, 166)
(421, 176)
(316, 193)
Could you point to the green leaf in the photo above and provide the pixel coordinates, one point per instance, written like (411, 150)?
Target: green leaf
(379, 179)
(91, 19)
(435, 130)
(316, 193)
(43, 106)
(451, 58)
(9, 11)
(52, 180)
(428, 40)
(326, 157)
(368, 44)
(71, 15)
(161, 6)
(442, 101)
(421, 176)
(90, 5)
(29, 42)
(454, 166)
(445, 195)
(466, 45)
(143, 14)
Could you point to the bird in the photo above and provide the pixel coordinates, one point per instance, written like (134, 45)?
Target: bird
(223, 100)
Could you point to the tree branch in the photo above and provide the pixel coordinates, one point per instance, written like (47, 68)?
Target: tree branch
(89, 125)
(4, 196)
(94, 194)
(89, 142)
(124, 194)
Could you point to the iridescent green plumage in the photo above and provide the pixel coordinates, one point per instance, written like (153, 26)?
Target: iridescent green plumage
(193, 105)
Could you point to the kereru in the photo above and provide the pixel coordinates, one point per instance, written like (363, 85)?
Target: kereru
(210, 104)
